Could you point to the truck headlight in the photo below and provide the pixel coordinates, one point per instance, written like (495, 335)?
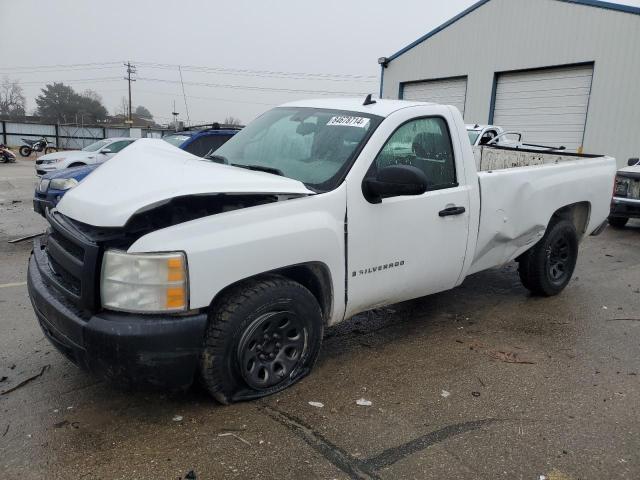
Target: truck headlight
(63, 183)
(43, 185)
(144, 282)
(621, 187)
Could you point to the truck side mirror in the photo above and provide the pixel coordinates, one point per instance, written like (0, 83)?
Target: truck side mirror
(104, 151)
(633, 162)
(395, 181)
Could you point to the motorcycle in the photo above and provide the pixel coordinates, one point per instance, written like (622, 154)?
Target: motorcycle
(37, 146)
(6, 155)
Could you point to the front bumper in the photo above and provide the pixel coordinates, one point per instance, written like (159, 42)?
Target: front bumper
(625, 207)
(41, 204)
(45, 168)
(130, 349)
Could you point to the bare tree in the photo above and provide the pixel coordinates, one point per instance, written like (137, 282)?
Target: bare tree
(93, 95)
(12, 101)
(232, 121)
(123, 108)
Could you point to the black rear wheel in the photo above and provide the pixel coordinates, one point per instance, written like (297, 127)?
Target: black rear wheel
(618, 222)
(25, 151)
(548, 266)
(263, 336)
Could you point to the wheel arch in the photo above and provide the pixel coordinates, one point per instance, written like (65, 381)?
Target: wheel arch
(314, 276)
(77, 164)
(578, 213)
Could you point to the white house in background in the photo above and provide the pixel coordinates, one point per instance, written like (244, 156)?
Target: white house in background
(563, 72)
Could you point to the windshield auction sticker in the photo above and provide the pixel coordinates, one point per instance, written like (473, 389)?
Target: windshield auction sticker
(344, 121)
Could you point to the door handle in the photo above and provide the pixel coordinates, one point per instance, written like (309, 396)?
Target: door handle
(447, 212)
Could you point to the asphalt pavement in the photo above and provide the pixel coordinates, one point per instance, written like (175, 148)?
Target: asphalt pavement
(482, 382)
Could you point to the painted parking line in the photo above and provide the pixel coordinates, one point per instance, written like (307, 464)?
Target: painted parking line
(9, 285)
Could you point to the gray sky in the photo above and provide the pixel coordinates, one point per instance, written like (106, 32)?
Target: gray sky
(337, 37)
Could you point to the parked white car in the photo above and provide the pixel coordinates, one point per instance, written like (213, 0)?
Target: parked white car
(229, 268)
(97, 152)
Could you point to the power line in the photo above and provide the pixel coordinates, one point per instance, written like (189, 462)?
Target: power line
(69, 65)
(230, 100)
(75, 80)
(270, 74)
(249, 87)
(196, 68)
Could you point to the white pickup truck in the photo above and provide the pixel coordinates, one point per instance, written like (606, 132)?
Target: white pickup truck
(161, 267)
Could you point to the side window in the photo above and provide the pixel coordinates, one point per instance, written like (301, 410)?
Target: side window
(203, 145)
(423, 143)
(115, 147)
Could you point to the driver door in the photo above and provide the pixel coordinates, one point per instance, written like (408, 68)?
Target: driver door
(409, 246)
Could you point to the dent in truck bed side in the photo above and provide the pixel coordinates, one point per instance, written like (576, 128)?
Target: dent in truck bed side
(517, 204)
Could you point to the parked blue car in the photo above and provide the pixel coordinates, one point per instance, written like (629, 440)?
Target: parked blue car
(54, 185)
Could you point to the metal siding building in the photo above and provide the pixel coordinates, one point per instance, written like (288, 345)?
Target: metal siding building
(561, 71)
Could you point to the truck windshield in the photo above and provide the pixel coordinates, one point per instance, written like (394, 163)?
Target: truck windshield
(314, 146)
(473, 136)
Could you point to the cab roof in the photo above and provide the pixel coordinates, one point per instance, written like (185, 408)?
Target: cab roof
(382, 108)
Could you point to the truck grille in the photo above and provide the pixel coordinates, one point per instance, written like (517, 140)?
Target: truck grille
(73, 262)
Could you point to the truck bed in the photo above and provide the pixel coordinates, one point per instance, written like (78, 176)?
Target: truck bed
(521, 189)
(500, 158)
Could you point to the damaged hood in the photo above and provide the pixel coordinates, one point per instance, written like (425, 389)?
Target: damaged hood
(150, 172)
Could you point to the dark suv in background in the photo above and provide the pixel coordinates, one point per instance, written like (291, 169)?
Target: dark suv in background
(202, 139)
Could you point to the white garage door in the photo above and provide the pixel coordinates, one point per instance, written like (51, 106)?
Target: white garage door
(447, 92)
(548, 106)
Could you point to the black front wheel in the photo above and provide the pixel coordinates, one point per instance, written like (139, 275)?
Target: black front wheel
(263, 336)
(25, 151)
(50, 150)
(548, 266)
(618, 222)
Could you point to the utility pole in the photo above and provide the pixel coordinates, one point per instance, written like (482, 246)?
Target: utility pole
(131, 69)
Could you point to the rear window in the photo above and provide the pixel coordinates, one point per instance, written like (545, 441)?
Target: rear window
(176, 140)
(207, 144)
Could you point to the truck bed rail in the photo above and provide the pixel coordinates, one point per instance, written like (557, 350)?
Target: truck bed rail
(490, 158)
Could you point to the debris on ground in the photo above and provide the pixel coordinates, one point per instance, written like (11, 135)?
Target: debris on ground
(3, 379)
(23, 239)
(26, 381)
(237, 437)
(508, 357)
(363, 402)
(177, 418)
(316, 404)
(445, 394)
(475, 394)
(6, 430)
(191, 475)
